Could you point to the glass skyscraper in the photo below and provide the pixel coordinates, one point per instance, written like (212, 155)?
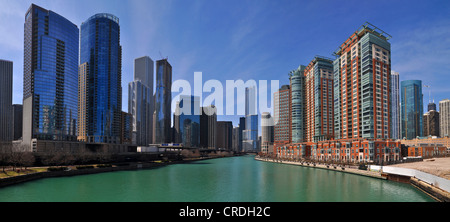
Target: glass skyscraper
(250, 134)
(395, 105)
(101, 50)
(50, 76)
(412, 109)
(190, 121)
(298, 104)
(163, 98)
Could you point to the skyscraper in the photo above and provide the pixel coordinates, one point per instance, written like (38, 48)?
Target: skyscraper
(250, 134)
(395, 105)
(101, 51)
(50, 76)
(6, 109)
(362, 85)
(267, 130)
(208, 127)
(444, 117)
(17, 121)
(189, 120)
(298, 104)
(224, 135)
(140, 101)
(431, 121)
(412, 108)
(319, 119)
(163, 99)
(282, 116)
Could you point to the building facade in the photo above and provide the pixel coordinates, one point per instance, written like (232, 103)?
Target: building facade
(282, 116)
(140, 101)
(101, 53)
(6, 106)
(189, 120)
(298, 104)
(362, 85)
(208, 127)
(395, 105)
(319, 119)
(50, 80)
(163, 99)
(224, 135)
(444, 117)
(250, 134)
(431, 122)
(267, 130)
(412, 109)
(17, 121)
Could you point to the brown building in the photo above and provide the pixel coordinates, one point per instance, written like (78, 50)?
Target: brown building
(282, 116)
(426, 150)
(224, 135)
(431, 123)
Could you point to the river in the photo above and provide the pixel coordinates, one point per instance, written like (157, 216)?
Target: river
(231, 179)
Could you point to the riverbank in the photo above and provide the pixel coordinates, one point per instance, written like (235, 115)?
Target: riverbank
(90, 169)
(433, 191)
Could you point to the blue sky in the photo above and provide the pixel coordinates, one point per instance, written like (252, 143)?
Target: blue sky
(251, 39)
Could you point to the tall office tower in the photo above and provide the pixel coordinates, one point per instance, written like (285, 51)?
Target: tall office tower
(50, 76)
(241, 132)
(235, 139)
(140, 101)
(250, 134)
(126, 129)
(395, 105)
(176, 136)
(17, 121)
(431, 121)
(208, 127)
(444, 117)
(163, 99)
(412, 108)
(298, 104)
(101, 59)
(6, 107)
(362, 82)
(267, 130)
(224, 135)
(282, 116)
(189, 120)
(319, 119)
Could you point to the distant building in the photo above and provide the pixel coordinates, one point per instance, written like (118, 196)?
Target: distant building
(267, 130)
(298, 104)
(6, 107)
(241, 132)
(17, 121)
(444, 117)
(431, 121)
(189, 120)
(126, 128)
(208, 127)
(224, 135)
(412, 109)
(140, 101)
(250, 134)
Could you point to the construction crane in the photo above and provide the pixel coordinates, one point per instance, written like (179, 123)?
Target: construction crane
(162, 57)
(429, 93)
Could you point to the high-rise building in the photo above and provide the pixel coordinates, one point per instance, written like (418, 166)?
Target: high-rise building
(208, 127)
(50, 76)
(241, 132)
(267, 130)
(431, 121)
(140, 101)
(163, 99)
(395, 105)
(362, 85)
(189, 120)
(298, 104)
(224, 135)
(282, 116)
(444, 117)
(319, 121)
(100, 49)
(17, 121)
(6, 107)
(126, 129)
(250, 134)
(412, 109)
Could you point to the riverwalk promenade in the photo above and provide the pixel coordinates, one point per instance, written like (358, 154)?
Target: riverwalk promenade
(435, 186)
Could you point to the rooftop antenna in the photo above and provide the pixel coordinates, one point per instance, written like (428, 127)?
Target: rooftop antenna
(162, 57)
